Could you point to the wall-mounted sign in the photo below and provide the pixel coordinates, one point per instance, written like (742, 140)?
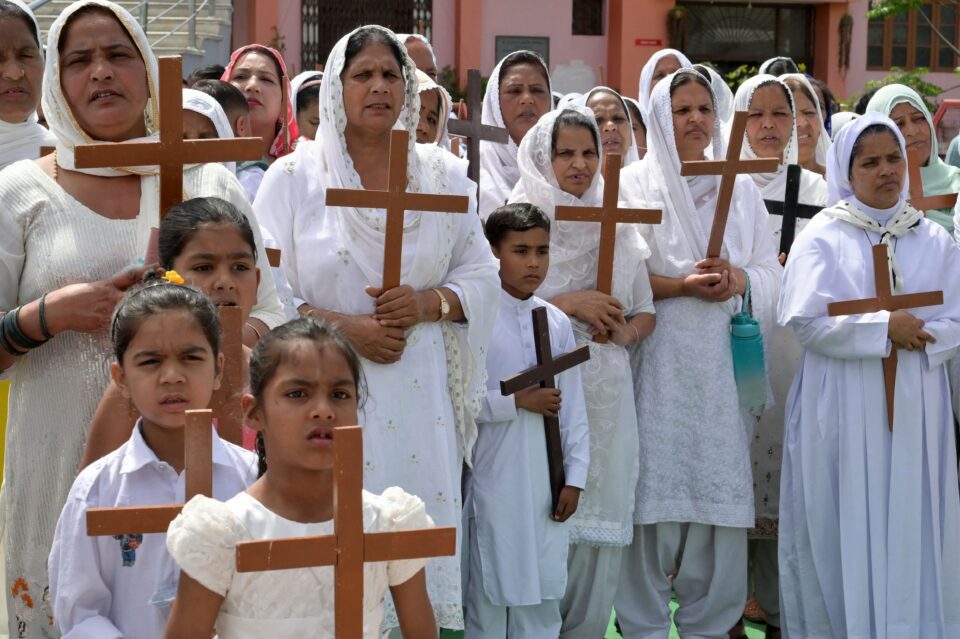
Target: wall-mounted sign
(648, 42)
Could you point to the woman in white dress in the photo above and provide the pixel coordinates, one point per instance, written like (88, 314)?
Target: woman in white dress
(61, 246)
(518, 94)
(870, 519)
(694, 499)
(660, 65)
(553, 175)
(812, 137)
(423, 343)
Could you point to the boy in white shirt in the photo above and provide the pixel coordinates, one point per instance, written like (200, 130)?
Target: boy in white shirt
(515, 548)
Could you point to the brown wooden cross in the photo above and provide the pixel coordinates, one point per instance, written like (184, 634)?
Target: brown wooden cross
(473, 128)
(608, 215)
(225, 402)
(728, 170)
(349, 547)
(171, 152)
(198, 475)
(543, 374)
(917, 199)
(885, 301)
(791, 209)
(396, 200)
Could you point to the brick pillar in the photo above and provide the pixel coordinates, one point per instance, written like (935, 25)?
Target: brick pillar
(826, 43)
(469, 40)
(629, 21)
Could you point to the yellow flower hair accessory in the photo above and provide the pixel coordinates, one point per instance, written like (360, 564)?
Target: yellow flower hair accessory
(174, 278)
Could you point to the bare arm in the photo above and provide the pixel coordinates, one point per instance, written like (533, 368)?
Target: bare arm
(111, 425)
(194, 612)
(413, 607)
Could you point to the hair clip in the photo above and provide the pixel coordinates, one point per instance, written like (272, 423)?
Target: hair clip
(174, 278)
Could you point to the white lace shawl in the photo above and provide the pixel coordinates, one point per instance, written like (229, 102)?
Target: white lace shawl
(499, 161)
(363, 231)
(766, 182)
(60, 118)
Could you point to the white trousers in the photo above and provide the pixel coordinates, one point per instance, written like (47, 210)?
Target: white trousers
(705, 565)
(765, 575)
(593, 574)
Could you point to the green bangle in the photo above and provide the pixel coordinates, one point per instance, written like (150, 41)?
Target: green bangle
(43, 318)
(5, 343)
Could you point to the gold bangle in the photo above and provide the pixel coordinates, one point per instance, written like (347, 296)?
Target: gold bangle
(254, 329)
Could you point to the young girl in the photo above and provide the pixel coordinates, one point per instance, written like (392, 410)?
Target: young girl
(304, 382)
(167, 346)
(210, 244)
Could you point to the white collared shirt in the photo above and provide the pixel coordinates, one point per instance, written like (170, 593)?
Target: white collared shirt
(94, 594)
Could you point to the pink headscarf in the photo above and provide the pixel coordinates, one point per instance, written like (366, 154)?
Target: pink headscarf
(287, 132)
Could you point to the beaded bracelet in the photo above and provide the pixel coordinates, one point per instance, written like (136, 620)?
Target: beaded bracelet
(11, 325)
(43, 318)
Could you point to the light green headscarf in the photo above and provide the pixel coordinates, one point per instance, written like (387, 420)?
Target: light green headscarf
(938, 177)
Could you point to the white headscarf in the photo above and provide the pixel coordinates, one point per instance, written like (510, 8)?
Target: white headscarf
(841, 119)
(741, 102)
(646, 74)
(297, 83)
(22, 140)
(722, 94)
(205, 105)
(765, 67)
(363, 230)
(500, 160)
(844, 204)
(633, 154)
(823, 143)
(426, 83)
(57, 111)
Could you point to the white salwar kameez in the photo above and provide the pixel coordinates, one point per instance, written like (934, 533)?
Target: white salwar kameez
(870, 520)
(694, 449)
(517, 562)
(419, 416)
(603, 523)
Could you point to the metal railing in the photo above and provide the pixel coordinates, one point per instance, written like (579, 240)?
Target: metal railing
(142, 10)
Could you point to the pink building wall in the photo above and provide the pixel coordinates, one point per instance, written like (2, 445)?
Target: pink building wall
(445, 32)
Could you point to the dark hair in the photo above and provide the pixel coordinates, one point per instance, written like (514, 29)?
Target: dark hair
(608, 91)
(524, 57)
(270, 352)
(635, 114)
(184, 220)
(681, 79)
(155, 296)
(90, 9)
(10, 10)
(306, 96)
(571, 118)
(209, 72)
(262, 50)
(518, 217)
(797, 86)
(873, 129)
(860, 106)
(782, 65)
(786, 93)
(229, 97)
(828, 99)
(369, 35)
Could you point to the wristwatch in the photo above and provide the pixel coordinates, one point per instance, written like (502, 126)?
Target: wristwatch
(444, 305)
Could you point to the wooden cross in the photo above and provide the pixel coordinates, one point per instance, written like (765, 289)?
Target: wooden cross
(728, 170)
(917, 199)
(396, 200)
(225, 402)
(198, 476)
(791, 209)
(349, 547)
(885, 301)
(608, 215)
(473, 128)
(543, 374)
(171, 152)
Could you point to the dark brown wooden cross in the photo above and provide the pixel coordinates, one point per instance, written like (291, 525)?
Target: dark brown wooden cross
(608, 215)
(791, 209)
(198, 475)
(917, 199)
(273, 256)
(728, 170)
(349, 547)
(473, 128)
(885, 300)
(543, 375)
(396, 200)
(225, 402)
(171, 152)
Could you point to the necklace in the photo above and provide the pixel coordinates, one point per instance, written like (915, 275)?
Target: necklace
(56, 172)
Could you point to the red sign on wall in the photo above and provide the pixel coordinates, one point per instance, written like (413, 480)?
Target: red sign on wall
(648, 42)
